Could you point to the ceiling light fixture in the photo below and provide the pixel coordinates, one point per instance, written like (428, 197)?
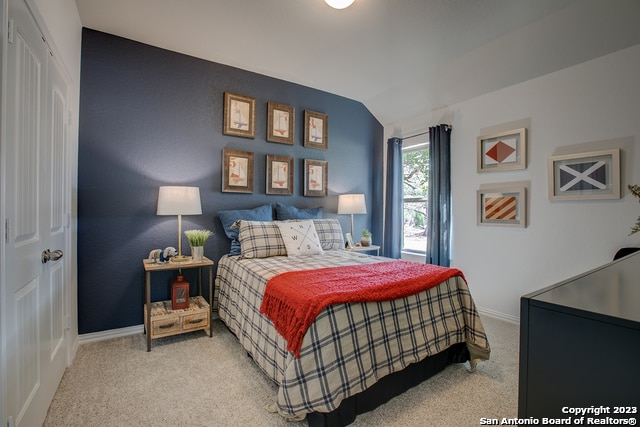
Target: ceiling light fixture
(339, 4)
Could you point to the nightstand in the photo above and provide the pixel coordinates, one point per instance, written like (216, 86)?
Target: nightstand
(160, 320)
(365, 249)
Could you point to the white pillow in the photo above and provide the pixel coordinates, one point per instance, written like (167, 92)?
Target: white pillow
(300, 238)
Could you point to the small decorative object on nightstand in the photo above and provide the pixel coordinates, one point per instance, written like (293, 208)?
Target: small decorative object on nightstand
(365, 239)
(179, 293)
(197, 239)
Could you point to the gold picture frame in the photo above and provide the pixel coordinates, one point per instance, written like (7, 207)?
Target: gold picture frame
(239, 115)
(316, 130)
(279, 175)
(237, 171)
(280, 123)
(315, 178)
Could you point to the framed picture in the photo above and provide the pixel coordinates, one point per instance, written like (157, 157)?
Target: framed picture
(580, 176)
(279, 175)
(504, 206)
(239, 115)
(316, 130)
(349, 241)
(280, 125)
(503, 151)
(237, 171)
(315, 178)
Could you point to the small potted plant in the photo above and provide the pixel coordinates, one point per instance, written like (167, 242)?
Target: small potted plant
(197, 239)
(365, 238)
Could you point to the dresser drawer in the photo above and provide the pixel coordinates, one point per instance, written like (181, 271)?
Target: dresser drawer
(195, 321)
(162, 327)
(166, 322)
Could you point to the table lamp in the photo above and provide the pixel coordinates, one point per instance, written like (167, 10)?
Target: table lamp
(179, 201)
(351, 204)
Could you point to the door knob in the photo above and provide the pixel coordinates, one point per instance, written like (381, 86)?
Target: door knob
(47, 255)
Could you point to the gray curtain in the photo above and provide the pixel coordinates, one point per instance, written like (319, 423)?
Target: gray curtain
(439, 198)
(393, 201)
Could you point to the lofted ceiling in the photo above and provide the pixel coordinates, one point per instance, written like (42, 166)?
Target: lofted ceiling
(401, 58)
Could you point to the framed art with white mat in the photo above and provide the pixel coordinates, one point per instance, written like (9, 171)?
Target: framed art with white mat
(502, 205)
(503, 151)
(589, 175)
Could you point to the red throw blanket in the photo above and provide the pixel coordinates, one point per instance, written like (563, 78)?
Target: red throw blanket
(292, 300)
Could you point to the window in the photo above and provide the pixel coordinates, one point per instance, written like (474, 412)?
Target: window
(415, 187)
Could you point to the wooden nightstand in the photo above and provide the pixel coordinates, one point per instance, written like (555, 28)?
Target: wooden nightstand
(160, 320)
(365, 249)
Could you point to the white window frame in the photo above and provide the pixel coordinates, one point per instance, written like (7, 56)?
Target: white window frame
(418, 145)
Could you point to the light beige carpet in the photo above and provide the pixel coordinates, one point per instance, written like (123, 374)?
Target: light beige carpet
(194, 380)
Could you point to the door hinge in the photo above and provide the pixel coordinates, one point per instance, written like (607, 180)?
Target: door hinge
(10, 422)
(7, 230)
(10, 35)
(67, 322)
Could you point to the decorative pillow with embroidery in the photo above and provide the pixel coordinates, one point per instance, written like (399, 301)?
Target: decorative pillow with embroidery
(300, 238)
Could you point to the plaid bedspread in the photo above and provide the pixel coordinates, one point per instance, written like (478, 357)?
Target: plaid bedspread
(349, 346)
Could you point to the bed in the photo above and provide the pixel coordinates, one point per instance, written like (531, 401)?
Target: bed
(354, 356)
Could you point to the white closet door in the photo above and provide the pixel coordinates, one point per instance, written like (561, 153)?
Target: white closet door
(36, 203)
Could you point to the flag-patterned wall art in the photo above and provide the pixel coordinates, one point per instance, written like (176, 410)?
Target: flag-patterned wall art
(503, 151)
(502, 205)
(592, 175)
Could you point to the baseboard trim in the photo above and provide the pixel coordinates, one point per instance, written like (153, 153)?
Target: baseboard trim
(118, 333)
(498, 315)
(110, 334)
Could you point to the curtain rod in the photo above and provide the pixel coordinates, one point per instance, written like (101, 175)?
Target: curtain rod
(417, 134)
(422, 133)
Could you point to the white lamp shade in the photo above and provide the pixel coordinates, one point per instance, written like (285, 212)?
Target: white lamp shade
(339, 4)
(351, 204)
(179, 201)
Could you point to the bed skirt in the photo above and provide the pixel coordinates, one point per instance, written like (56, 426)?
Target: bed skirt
(389, 387)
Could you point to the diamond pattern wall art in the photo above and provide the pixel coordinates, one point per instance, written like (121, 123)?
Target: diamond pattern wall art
(503, 151)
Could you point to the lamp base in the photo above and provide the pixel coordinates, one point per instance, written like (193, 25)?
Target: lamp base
(180, 258)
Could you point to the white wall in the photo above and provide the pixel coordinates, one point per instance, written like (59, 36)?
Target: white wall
(589, 106)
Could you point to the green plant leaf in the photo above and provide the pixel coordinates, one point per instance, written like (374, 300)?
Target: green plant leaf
(635, 190)
(197, 237)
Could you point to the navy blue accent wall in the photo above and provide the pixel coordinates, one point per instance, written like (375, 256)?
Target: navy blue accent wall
(152, 117)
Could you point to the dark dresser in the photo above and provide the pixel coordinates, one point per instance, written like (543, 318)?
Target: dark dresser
(580, 343)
